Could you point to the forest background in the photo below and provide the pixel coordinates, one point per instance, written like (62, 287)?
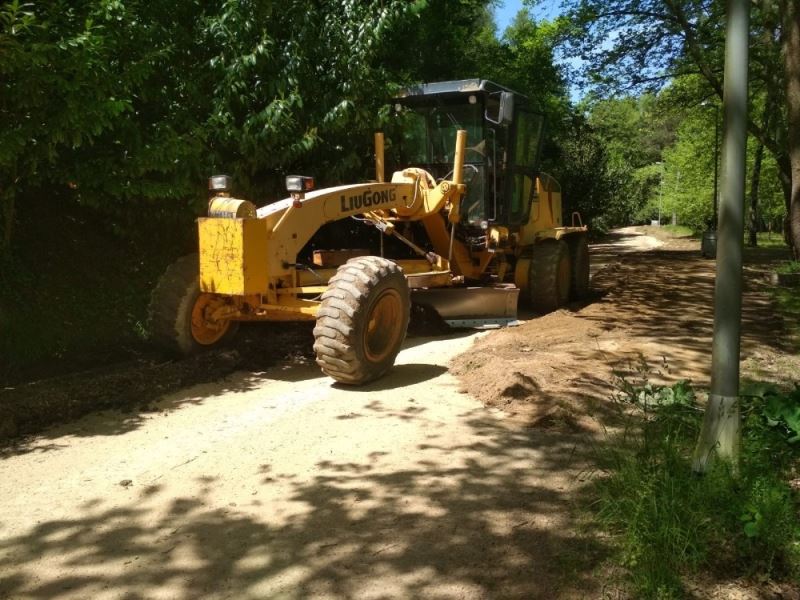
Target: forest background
(115, 112)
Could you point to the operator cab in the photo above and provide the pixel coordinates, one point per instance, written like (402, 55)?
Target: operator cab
(504, 139)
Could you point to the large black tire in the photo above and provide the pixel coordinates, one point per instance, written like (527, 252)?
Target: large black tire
(362, 320)
(579, 256)
(550, 276)
(171, 305)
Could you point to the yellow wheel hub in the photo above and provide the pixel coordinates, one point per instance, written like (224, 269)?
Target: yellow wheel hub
(206, 331)
(384, 326)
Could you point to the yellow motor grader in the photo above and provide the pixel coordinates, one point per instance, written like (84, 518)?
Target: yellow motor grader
(478, 224)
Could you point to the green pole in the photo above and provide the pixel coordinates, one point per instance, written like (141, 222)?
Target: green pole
(720, 432)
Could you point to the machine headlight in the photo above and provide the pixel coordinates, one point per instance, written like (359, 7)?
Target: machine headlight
(298, 184)
(220, 183)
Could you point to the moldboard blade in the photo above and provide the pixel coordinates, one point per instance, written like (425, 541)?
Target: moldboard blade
(477, 307)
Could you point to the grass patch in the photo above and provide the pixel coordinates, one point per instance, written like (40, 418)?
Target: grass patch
(790, 266)
(768, 239)
(668, 522)
(678, 230)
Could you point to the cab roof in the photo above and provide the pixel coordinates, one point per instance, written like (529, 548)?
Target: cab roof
(461, 86)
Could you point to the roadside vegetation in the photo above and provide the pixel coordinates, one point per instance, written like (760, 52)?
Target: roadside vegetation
(678, 230)
(674, 531)
(787, 301)
(670, 525)
(770, 239)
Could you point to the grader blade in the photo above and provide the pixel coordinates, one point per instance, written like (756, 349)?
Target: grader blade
(477, 307)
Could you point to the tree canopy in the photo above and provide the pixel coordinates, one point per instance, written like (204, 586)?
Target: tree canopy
(635, 45)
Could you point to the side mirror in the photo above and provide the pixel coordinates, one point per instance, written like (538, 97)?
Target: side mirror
(505, 109)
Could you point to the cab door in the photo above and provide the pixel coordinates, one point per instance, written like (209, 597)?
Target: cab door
(526, 145)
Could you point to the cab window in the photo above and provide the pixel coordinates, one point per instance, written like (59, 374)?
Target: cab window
(527, 139)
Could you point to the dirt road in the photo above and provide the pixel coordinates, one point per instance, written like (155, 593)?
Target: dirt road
(283, 485)
(651, 319)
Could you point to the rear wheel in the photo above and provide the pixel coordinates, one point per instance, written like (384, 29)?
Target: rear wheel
(180, 313)
(362, 320)
(579, 255)
(550, 276)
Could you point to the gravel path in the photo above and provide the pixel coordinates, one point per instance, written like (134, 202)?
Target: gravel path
(284, 485)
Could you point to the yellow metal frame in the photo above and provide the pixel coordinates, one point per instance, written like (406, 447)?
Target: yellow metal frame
(251, 259)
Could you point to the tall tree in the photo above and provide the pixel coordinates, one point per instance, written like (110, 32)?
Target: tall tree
(56, 92)
(641, 44)
(755, 184)
(129, 102)
(442, 39)
(525, 61)
(791, 51)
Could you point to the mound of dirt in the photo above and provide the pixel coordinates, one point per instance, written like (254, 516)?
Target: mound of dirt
(530, 371)
(651, 320)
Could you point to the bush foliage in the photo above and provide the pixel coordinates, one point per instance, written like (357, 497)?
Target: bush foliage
(669, 522)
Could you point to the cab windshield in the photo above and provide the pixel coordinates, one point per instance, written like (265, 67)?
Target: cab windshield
(427, 137)
(428, 134)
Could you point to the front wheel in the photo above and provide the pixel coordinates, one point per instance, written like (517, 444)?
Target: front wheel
(362, 320)
(180, 313)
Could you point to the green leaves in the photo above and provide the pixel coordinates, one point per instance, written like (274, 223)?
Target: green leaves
(119, 104)
(127, 100)
(783, 410)
(668, 522)
(771, 411)
(15, 19)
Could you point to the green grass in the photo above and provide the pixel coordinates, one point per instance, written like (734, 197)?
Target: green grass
(678, 230)
(668, 523)
(770, 240)
(790, 266)
(787, 302)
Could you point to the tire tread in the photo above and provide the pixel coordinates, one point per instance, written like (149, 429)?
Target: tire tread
(341, 316)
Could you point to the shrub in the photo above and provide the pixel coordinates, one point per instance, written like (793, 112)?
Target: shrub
(669, 522)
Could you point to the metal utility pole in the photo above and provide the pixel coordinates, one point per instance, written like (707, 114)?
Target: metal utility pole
(720, 433)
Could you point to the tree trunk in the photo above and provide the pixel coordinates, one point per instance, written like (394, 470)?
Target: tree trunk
(785, 179)
(9, 205)
(719, 434)
(752, 221)
(794, 219)
(719, 437)
(791, 51)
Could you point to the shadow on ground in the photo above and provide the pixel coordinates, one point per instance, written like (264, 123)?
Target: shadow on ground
(669, 295)
(431, 530)
(134, 388)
